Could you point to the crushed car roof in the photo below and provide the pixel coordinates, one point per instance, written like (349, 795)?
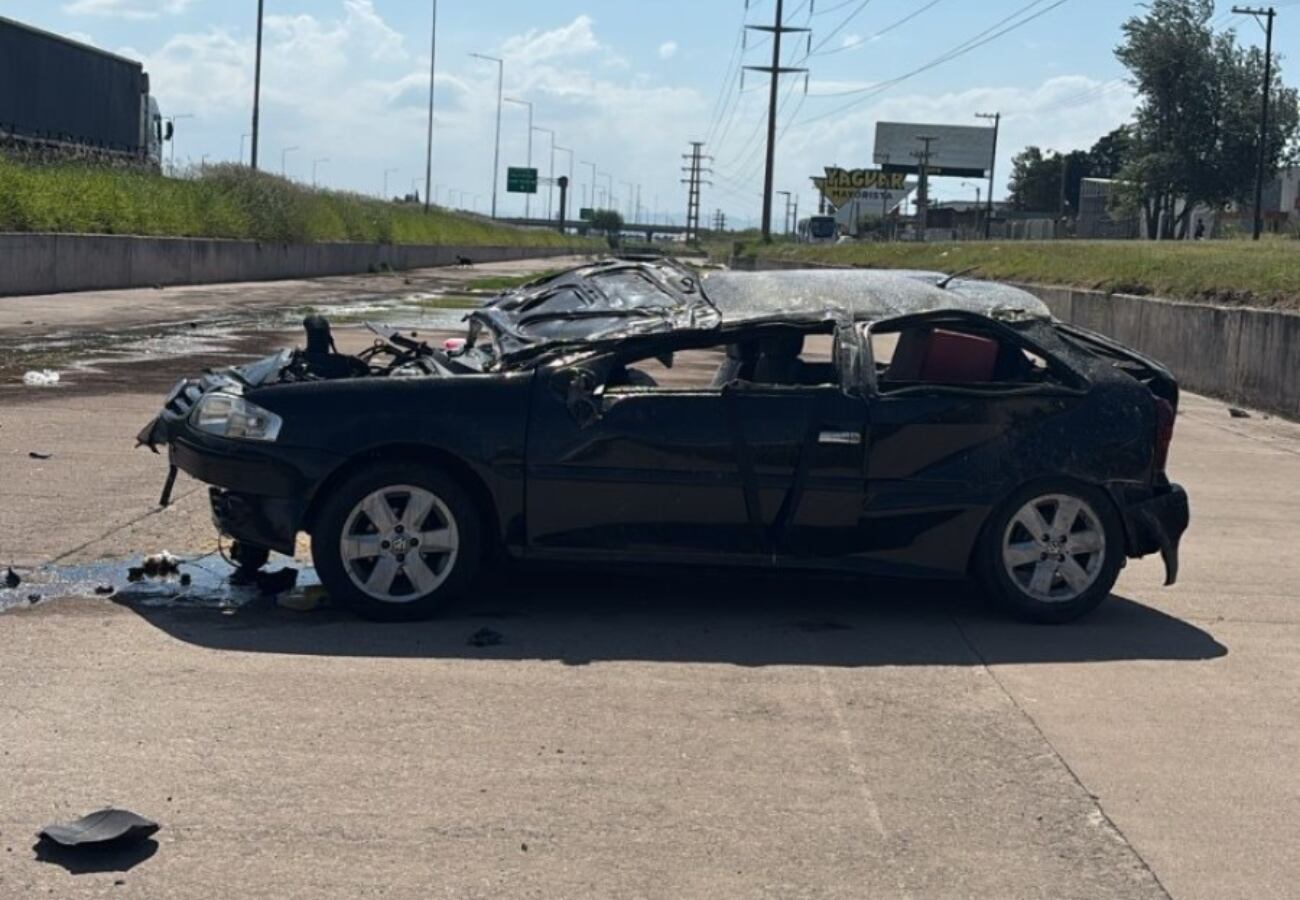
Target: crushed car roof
(866, 294)
(619, 298)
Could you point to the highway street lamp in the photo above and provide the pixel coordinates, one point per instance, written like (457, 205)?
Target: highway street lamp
(388, 172)
(173, 120)
(242, 139)
(528, 198)
(257, 83)
(592, 197)
(496, 155)
(630, 186)
(550, 194)
(284, 160)
(433, 58)
(316, 164)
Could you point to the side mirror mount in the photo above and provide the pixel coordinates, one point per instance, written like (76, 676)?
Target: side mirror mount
(581, 393)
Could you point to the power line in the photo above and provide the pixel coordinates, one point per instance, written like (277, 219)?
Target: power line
(957, 52)
(840, 27)
(893, 26)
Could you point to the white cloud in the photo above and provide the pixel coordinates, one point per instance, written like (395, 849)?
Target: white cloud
(128, 9)
(578, 38)
(851, 40)
(668, 49)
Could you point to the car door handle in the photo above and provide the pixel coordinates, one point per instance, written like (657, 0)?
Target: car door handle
(844, 438)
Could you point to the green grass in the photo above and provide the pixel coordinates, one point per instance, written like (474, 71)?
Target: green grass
(1228, 272)
(231, 202)
(506, 282)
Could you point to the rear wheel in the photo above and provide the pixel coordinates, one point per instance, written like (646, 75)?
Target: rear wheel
(1052, 552)
(398, 542)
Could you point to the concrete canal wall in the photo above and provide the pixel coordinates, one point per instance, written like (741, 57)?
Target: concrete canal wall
(1239, 354)
(54, 263)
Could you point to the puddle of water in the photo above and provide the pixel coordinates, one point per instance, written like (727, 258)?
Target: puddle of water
(207, 586)
(70, 352)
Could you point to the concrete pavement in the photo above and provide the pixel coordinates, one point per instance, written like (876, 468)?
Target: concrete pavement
(676, 736)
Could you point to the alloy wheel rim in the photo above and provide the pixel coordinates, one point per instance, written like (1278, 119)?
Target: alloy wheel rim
(399, 544)
(1054, 548)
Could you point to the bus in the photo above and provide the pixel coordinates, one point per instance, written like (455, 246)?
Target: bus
(818, 230)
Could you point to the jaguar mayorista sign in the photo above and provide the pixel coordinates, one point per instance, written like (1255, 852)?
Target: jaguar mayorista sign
(839, 186)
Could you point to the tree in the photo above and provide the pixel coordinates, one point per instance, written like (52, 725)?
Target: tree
(1110, 154)
(1037, 178)
(609, 221)
(1195, 140)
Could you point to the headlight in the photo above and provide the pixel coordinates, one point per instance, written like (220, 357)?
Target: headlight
(230, 416)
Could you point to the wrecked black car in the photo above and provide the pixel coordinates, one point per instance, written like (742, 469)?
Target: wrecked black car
(637, 411)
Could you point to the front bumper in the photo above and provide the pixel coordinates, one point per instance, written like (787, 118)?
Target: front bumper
(1157, 524)
(260, 494)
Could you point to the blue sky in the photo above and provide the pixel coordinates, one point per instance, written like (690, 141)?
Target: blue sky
(624, 84)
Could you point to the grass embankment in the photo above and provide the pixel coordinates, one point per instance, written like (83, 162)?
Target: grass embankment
(232, 202)
(1225, 272)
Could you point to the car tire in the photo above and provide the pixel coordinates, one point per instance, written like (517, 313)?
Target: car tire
(1062, 573)
(398, 542)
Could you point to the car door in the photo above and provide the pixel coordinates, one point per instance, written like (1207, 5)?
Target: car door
(726, 472)
(947, 447)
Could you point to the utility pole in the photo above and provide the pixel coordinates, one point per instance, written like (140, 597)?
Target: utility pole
(496, 154)
(1269, 15)
(696, 173)
(528, 198)
(433, 58)
(923, 190)
(776, 70)
(993, 164)
(257, 84)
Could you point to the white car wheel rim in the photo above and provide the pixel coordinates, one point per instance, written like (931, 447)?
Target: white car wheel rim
(1054, 548)
(399, 544)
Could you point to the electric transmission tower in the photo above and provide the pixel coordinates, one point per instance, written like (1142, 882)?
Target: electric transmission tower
(696, 171)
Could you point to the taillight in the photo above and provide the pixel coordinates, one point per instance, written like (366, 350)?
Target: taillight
(1165, 415)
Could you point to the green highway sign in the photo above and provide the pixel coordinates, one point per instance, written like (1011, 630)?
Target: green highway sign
(521, 181)
(586, 215)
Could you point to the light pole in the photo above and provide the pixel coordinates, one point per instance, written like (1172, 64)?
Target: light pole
(388, 172)
(786, 220)
(996, 119)
(528, 198)
(242, 139)
(630, 186)
(284, 161)
(592, 199)
(550, 195)
(173, 120)
(257, 84)
(496, 155)
(610, 199)
(315, 164)
(433, 58)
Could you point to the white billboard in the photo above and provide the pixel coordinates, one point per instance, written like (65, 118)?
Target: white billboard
(957, 150)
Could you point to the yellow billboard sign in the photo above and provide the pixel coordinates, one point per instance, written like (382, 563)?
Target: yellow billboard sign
(839, 186)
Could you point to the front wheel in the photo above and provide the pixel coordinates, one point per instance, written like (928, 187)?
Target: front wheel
(1052, 552)
(398, 542)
